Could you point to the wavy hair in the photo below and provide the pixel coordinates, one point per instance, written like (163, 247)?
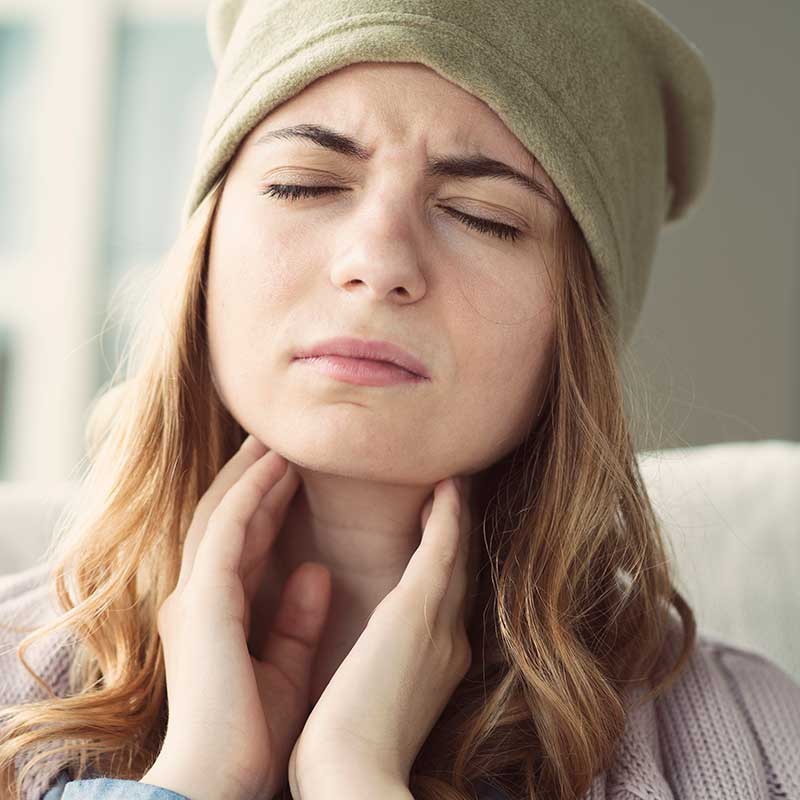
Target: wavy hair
(575, 589)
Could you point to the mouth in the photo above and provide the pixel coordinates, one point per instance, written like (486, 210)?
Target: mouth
(360, 371)
(375, 350)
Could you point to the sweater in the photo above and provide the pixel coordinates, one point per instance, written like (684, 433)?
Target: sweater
(727, 729)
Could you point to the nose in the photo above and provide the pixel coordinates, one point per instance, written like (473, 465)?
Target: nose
(383, 254)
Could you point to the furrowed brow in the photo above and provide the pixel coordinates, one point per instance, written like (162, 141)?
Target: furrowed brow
(453, 166)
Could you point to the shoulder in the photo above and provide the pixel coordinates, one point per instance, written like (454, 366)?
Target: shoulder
(764, 700)
(730, 720)
(730, 685)
(27, 601)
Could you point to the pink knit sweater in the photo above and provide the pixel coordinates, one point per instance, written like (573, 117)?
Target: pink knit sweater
(728, 729)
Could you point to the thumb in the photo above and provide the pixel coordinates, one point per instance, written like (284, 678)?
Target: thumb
(292, 643)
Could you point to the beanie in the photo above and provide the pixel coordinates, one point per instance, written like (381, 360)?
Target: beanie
(610, 98)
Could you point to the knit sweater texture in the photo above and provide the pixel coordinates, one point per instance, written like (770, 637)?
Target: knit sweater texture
(727, 729)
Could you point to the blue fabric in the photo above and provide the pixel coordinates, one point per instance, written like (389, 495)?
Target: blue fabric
(115, 789)
(57, 789)
(108, 789)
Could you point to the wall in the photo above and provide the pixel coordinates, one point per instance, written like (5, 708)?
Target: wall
(718, 344)
(106, 100)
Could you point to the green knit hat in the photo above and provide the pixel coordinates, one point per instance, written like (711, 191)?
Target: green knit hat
(609, 97)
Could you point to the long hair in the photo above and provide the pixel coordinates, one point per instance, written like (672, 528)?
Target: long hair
(575, 589)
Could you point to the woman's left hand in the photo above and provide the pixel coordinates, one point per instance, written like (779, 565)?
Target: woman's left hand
(385, 697)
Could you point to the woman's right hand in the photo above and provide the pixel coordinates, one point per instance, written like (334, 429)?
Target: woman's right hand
(234, 716)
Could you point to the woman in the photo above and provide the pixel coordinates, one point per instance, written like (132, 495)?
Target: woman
(290, 571)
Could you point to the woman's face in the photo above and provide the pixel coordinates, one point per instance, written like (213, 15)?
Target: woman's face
(382, 258)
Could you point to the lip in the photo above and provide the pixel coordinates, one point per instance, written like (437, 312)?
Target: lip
(372, 350)
(361, 371)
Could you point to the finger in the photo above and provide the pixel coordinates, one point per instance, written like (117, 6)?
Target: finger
(453, 605)
(430, 569)
(291, 645)
(262, 531)
(250, 450)
(219, 555)
(267, 520)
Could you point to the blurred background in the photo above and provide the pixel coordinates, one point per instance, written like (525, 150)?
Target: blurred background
(101, 105)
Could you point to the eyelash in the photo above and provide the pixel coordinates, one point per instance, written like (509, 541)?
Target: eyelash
(290, 192)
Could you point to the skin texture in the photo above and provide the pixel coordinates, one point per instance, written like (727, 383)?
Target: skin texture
(383, 260)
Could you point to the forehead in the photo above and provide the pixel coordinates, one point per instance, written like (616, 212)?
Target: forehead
(405, 103)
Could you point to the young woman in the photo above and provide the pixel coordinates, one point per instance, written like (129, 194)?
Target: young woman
(364, 517)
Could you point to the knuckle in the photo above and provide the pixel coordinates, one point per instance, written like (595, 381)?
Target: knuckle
(457, 652)
(449, 649)
(459, 644)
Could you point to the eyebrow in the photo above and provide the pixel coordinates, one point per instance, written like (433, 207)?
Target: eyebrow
(478, 166)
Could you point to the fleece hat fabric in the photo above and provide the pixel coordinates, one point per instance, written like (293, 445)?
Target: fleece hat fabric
(611, 99)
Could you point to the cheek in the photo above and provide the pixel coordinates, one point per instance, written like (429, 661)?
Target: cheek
(505, 289)
(512, 368)
(257, 262)
(503, 381)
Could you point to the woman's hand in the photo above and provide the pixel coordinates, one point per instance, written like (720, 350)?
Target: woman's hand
(382, 702)
(233, 718)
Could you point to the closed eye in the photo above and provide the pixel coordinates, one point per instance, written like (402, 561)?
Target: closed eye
(285, 191)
